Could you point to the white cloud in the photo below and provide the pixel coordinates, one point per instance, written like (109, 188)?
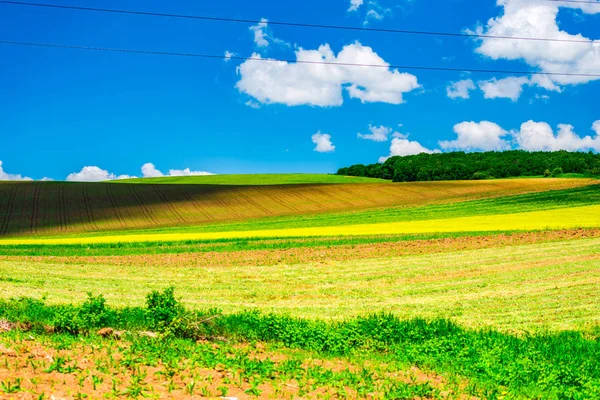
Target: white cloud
(322, 84)
(596, 127)
(323, 142)
(253, 104)
(376, 12)
(355, 5)
(260, 36)
(378, 133)
(484, 135)
(507, 88)
(11, 177)
(188, 172)
(535, 18)
(372, 14)
(460, 89)
(150, 171)
(94, 174)
(539, 136)
(263, 37)
(401, 146)
(229, 54)
(46, 179)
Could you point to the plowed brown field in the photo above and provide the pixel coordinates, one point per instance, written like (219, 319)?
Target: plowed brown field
(60, 207)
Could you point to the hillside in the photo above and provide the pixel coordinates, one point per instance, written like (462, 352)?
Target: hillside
(255, 179)
(59, 208)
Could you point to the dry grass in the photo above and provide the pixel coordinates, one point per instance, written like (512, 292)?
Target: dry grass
(553, 285)
(59, 208)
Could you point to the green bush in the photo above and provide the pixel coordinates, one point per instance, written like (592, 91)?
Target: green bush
(558, 171)
(93, 313)
(477, 176)
(162, 308)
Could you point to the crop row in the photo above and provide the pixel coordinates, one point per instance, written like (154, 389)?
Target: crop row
(59, 207)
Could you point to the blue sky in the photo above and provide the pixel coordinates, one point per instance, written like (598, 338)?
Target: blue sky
(62, 109)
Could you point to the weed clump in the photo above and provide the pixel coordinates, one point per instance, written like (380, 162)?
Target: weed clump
(92, 314)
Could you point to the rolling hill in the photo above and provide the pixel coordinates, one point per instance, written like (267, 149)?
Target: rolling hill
(59, 208)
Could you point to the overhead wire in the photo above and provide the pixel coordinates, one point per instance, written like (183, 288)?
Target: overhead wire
(308, 62)
(302, 24)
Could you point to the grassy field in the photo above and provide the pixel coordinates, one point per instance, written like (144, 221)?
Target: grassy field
(553, 285)
(424, 290)
(255, 179)
(60, 209)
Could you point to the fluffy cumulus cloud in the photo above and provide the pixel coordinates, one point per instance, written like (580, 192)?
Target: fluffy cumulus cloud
(11, 177)
(311, 83)
(472, 136)
(460, 89)
(323, 142)
(539, 136)
(538, 18)
(94, 174)
(596, 127)
(355, 5)
(402, 146)
(378, 133)
(507, 88)
(150, 171)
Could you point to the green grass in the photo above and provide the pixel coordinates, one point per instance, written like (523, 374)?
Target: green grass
(492, 364)
(219, 245)
(532, 287)
(255, 179)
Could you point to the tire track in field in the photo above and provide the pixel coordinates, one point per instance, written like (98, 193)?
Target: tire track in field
(9, 209)
(306, 199)
(88, 207)
(168, 203)
(142, 206)
(62, 220)
(346, 190)
(249, 200)
(277, 200)
(194, 203)
(332, 197)
(35, 208)
(222, 204)
(115, 205)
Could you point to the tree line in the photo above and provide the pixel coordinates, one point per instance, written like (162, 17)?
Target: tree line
(487, 165)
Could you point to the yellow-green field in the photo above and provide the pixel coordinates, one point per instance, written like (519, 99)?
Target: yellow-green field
(549, 285)
(67, 208)
(564, 218)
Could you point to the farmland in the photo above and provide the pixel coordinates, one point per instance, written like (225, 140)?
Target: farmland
(55, 208)
(368, 289)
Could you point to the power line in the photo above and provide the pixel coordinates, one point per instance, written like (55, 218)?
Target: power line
(302, 25)
(241, 58)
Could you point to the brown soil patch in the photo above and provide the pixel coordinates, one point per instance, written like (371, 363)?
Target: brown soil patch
(319, 254)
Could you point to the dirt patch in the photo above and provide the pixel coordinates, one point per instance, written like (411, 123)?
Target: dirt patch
(319, 254)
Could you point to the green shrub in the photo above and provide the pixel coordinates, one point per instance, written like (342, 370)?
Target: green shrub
(558, 171)
(477, 176)
(66, 320)
(94, 313)
(162, 308)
